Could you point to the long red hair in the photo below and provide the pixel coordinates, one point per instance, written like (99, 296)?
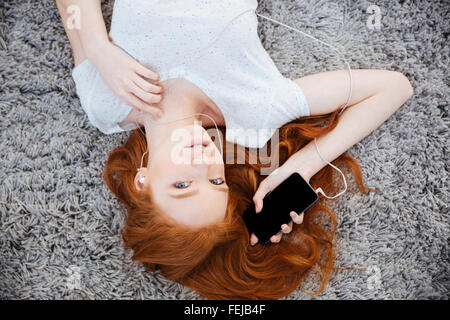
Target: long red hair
(217, 260)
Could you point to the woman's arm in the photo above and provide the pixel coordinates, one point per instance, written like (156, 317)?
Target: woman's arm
(85, 22)
(390, 91)
(127, 78)
(377, 94)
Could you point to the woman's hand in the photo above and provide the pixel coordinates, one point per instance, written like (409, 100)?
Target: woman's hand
(268, 184)
(127, 78)
(298, 219)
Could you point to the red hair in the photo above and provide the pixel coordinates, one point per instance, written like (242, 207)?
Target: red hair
(217, 260)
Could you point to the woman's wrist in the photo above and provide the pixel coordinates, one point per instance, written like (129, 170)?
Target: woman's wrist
(292, 166)
(96, 47)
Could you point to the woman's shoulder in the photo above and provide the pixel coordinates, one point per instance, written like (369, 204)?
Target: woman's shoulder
(104, 109)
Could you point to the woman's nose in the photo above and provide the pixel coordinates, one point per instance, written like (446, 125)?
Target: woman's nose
(203, 155)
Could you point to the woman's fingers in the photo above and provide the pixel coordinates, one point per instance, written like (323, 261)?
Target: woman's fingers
(253, 239)
(287, 228)
(147, 86)
(298, 219)
(263, 189)
(146, 72)
(258, 200)
(258, 205)
(145, 96)
(276, 238)
(135, 102)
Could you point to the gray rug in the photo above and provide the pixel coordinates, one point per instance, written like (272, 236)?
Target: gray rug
(60, 225)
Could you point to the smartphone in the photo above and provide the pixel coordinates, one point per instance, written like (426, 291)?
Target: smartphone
(293, 194)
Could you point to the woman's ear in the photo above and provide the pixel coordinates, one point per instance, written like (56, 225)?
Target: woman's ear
(141, 179)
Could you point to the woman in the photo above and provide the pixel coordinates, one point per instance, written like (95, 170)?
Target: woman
(185, 58)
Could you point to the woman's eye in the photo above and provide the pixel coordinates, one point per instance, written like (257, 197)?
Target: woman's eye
(214, 181)
(182, 185)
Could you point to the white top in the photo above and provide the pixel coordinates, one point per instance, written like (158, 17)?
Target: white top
(213, 44)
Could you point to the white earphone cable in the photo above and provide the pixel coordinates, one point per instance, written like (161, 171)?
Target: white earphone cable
(318, 190)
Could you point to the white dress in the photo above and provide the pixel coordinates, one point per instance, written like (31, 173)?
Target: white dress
(213, 44)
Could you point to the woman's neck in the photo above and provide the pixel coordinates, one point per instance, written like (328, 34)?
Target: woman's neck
(181, 99)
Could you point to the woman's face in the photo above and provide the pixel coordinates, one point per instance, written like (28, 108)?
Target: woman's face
(187, 176)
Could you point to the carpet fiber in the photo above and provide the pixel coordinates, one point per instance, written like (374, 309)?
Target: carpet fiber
(60, 225)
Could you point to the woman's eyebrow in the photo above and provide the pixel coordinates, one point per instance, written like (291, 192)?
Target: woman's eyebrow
(186, 194)
(223, 188)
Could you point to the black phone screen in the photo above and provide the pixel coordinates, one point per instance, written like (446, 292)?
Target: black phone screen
(293, 194)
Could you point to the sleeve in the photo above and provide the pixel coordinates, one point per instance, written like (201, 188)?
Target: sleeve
(104, 110)
(288, 103)
(294, 100)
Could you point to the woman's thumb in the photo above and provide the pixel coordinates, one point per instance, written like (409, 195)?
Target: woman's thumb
(258, 205)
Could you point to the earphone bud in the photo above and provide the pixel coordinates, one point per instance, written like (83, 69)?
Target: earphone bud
(141, 178)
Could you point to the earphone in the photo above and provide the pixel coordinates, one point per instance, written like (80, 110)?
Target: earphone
(318, 190)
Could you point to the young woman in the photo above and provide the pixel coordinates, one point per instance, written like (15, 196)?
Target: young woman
(164, 64)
